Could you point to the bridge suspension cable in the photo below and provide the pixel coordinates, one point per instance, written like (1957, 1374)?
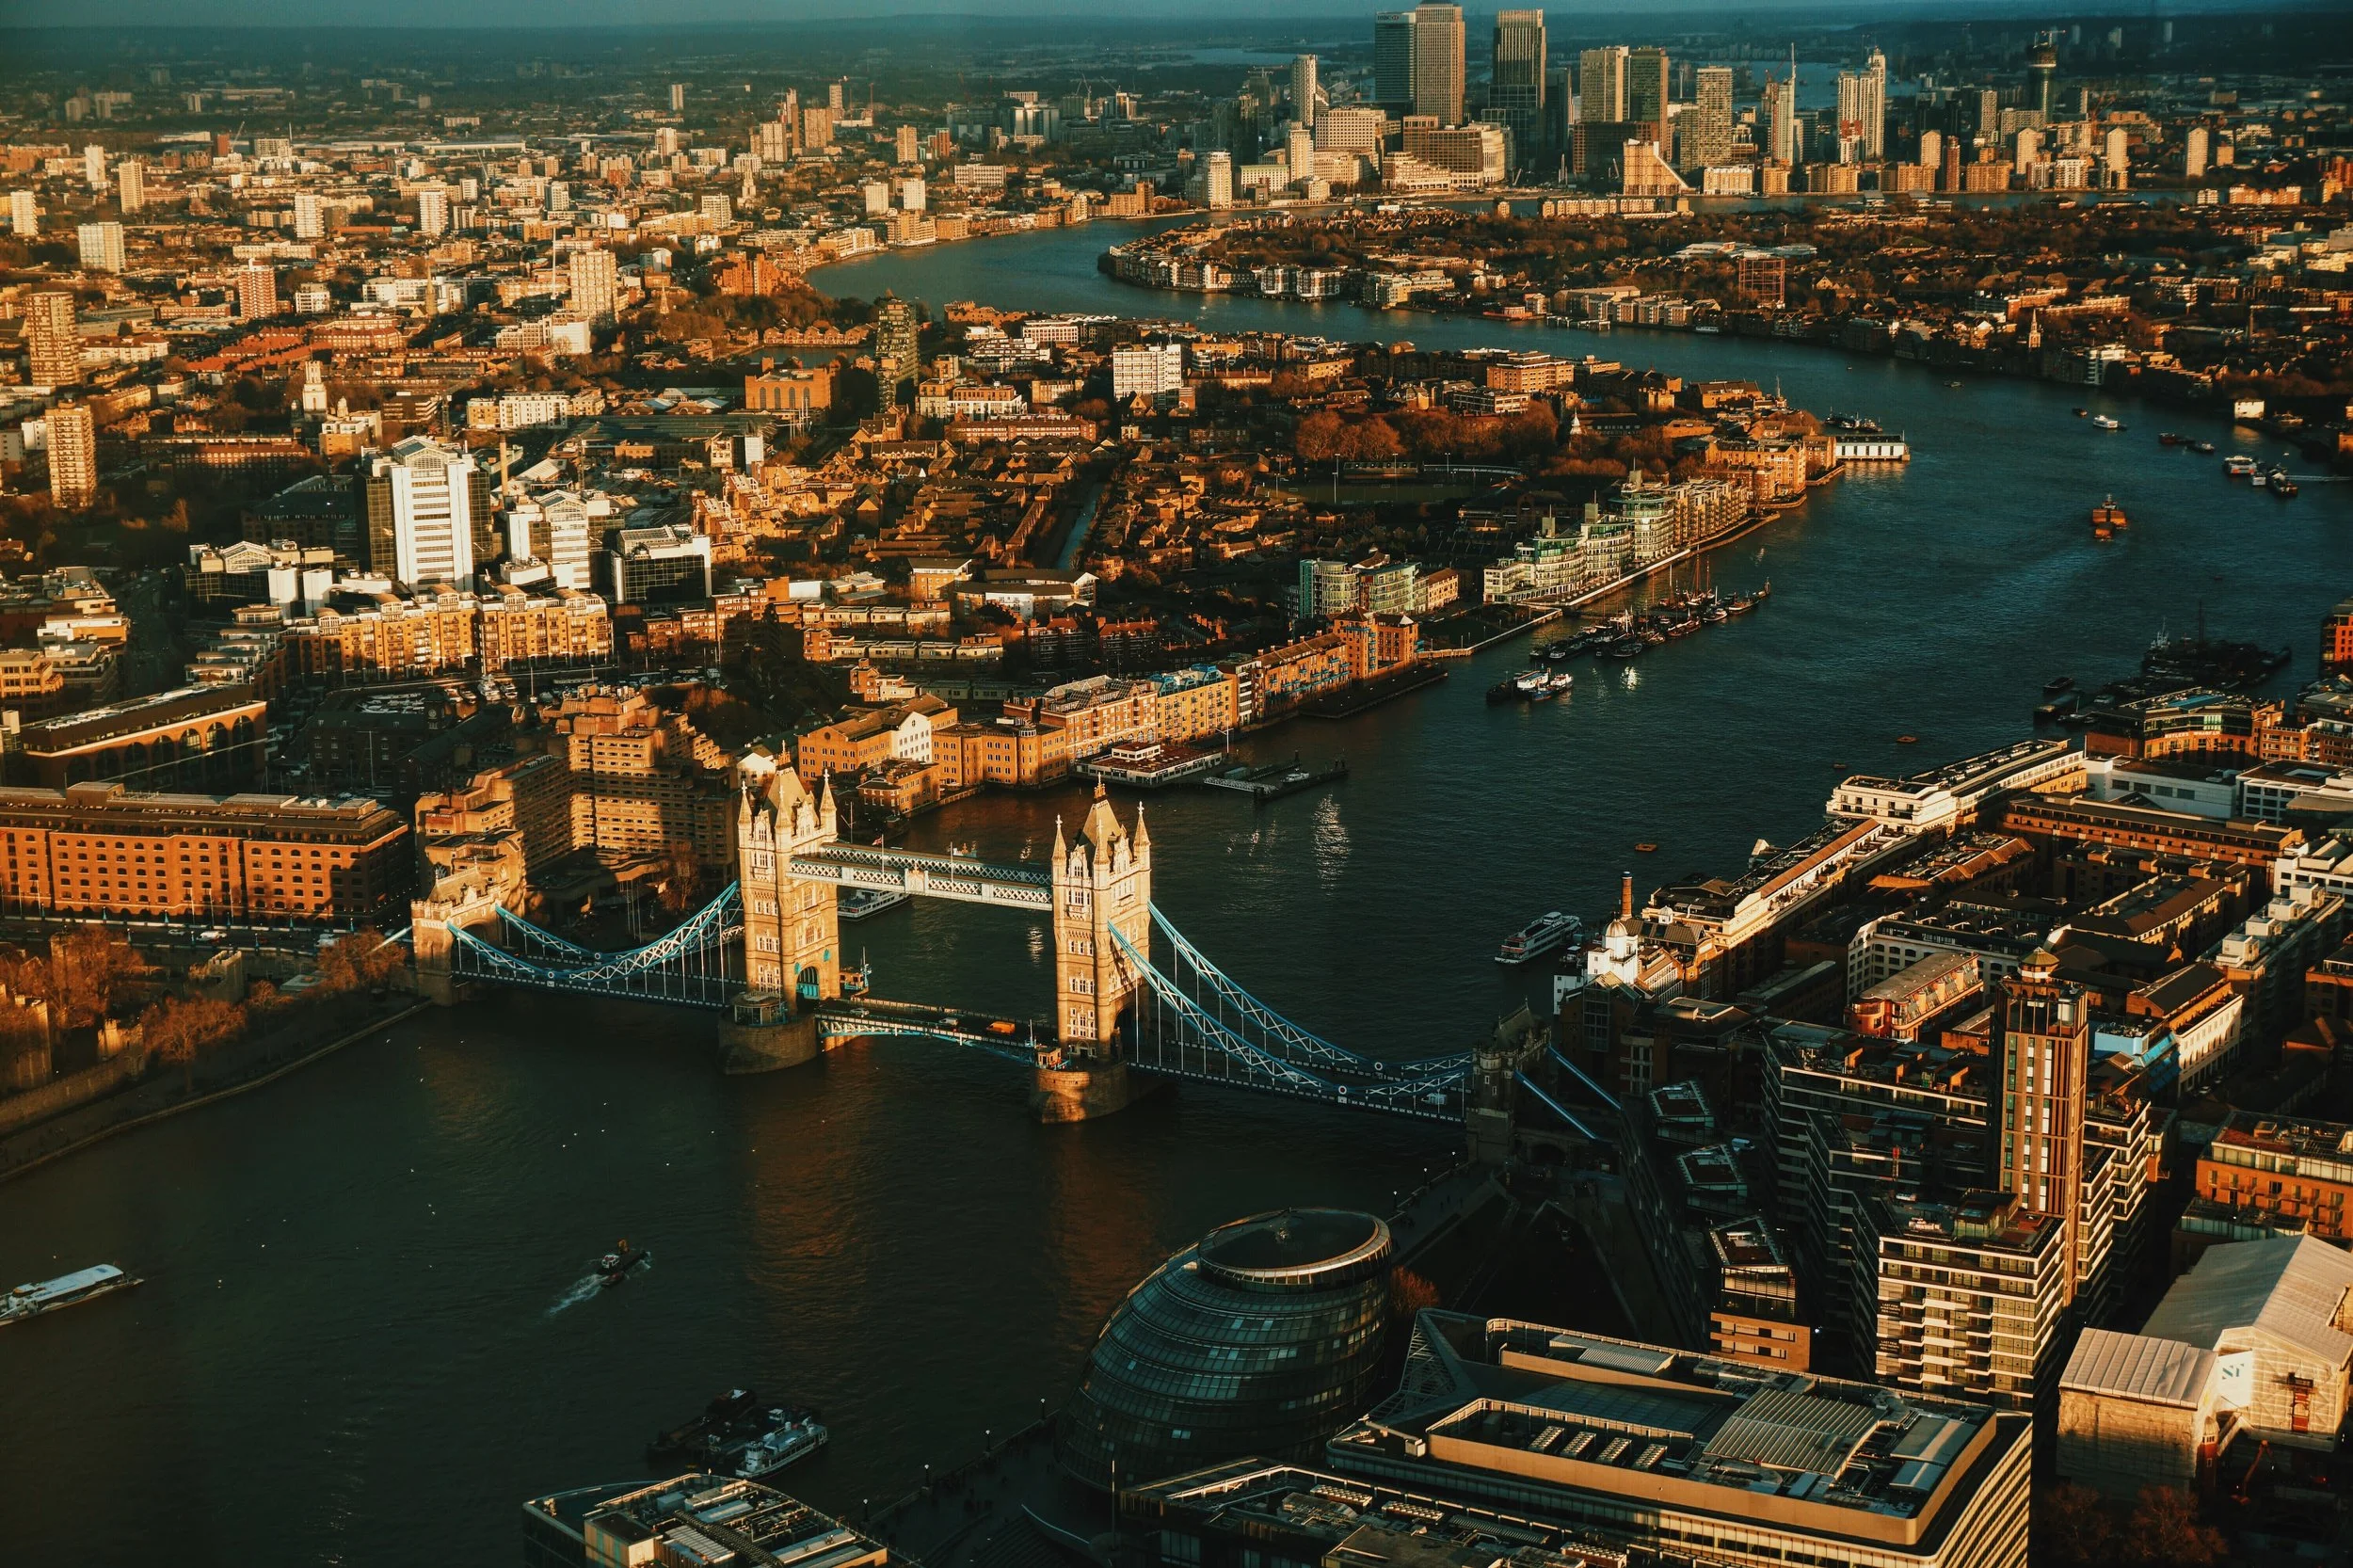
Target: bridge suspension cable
(688, 963)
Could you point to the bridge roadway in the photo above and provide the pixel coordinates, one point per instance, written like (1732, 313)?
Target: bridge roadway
(948, 877)
(876, 1017)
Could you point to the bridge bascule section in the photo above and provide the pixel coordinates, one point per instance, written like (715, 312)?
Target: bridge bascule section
(767, 955)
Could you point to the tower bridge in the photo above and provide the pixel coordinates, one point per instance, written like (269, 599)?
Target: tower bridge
(1134, 1000)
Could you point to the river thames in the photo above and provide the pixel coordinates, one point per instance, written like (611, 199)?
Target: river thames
(352, 1348)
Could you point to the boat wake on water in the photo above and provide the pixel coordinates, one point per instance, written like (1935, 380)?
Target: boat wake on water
(593, 1284)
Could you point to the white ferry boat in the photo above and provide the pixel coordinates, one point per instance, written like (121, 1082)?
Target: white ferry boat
(2101, 421)
(31, 1301)
(1540, 936)
(859, 902)
(2238, 467)
(780, 1446)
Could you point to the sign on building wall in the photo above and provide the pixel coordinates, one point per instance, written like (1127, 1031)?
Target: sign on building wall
(2234, 1380)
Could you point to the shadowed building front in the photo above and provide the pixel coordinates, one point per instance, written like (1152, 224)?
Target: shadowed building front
(1263, 1338)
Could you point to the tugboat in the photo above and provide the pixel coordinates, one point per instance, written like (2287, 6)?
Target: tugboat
(2282, 485)
(2108, 518)
(2166, 438)
(614, 1266)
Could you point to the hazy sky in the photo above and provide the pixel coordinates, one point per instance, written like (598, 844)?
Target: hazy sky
(577, 13)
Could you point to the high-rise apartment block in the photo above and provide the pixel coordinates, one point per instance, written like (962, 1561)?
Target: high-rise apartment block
(2046, 1060)
(1438, 61)
(24, 213)
(130, 185)
(1147, 370)
(905, 145)
(898, 342)
(1515, 96)
(595, 277)
(257, 291)
(1875, 107)
(73, 455)
(1305, 91)
(678, 97)
(432, 212)
(1704, 130)
(309, 222)
(101, 247)
(1217, 179)
(94, 166)
(53, 344)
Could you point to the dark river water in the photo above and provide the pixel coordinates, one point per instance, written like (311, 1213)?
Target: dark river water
(354, 1345)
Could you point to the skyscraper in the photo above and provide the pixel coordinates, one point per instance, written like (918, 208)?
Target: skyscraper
(53, 346)
(1601, 84)
(1516, 94)
(2193, 153)
(2046, 1058)
(905, 145)
(1875, 105)
(898, 340)
(1781, 120)
(1393, 61)
(1438, 61)
(73, 455)
(678, 97)
(94, 165)
(1851, 109)
(595, 279)
(1217, 179)
(1304, 90)
(257, 291)
(309, 223)
(429, 513)
(24, 213)
(1646, 93)
(432, 211)
(130, 185)
(101, 247)
(1708, 140)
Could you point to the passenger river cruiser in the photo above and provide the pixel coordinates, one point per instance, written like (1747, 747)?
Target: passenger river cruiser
(1540, 936)
(31, 1301)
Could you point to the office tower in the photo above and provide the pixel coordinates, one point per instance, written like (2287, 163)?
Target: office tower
(1601, 83)
(429, 513)
(898, 343)
(2041, 65)
(1351, 129)
(130, 185)
(1217, 179)
(94, 165)
(1875, 105)
(73, 455)
(1516, 95)
(1393, 61)
(2046, 1058)
(1646, 91)
(2028, 151)
(1781, 120)
(24, 213)
(905, 145)
(309, 223)
(432, 211)
(678, 97)
(595, 279)
(53, 344)
(1304, 88)
(1986, 114)
(1951, 180)
(1851, 108)
(101, 247)
(1438, 61)
(1709, 141)
(2193, 156)
(1299, 152)
(1931, 151)
(257, 291)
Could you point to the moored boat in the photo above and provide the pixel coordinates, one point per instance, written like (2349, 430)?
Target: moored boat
(2238, 467)
(1539, 936)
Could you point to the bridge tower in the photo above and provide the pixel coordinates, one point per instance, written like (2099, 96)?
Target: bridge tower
(1102, 884)
(791, 926)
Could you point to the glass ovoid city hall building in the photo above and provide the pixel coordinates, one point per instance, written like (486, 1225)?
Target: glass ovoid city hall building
(1263, 1338)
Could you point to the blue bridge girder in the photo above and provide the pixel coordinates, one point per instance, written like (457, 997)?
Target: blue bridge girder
(692, 964)
(948, 877)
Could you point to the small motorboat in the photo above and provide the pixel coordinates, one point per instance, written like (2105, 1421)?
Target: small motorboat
(2205, 449)
(2059, 683)
(614, 1266)
(2166, 438)
(2080, 413)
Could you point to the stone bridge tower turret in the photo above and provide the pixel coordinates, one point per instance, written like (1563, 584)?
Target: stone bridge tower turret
(792, 927)
(1102, 884)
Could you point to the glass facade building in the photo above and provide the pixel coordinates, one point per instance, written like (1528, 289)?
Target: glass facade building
(1262, 1339)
